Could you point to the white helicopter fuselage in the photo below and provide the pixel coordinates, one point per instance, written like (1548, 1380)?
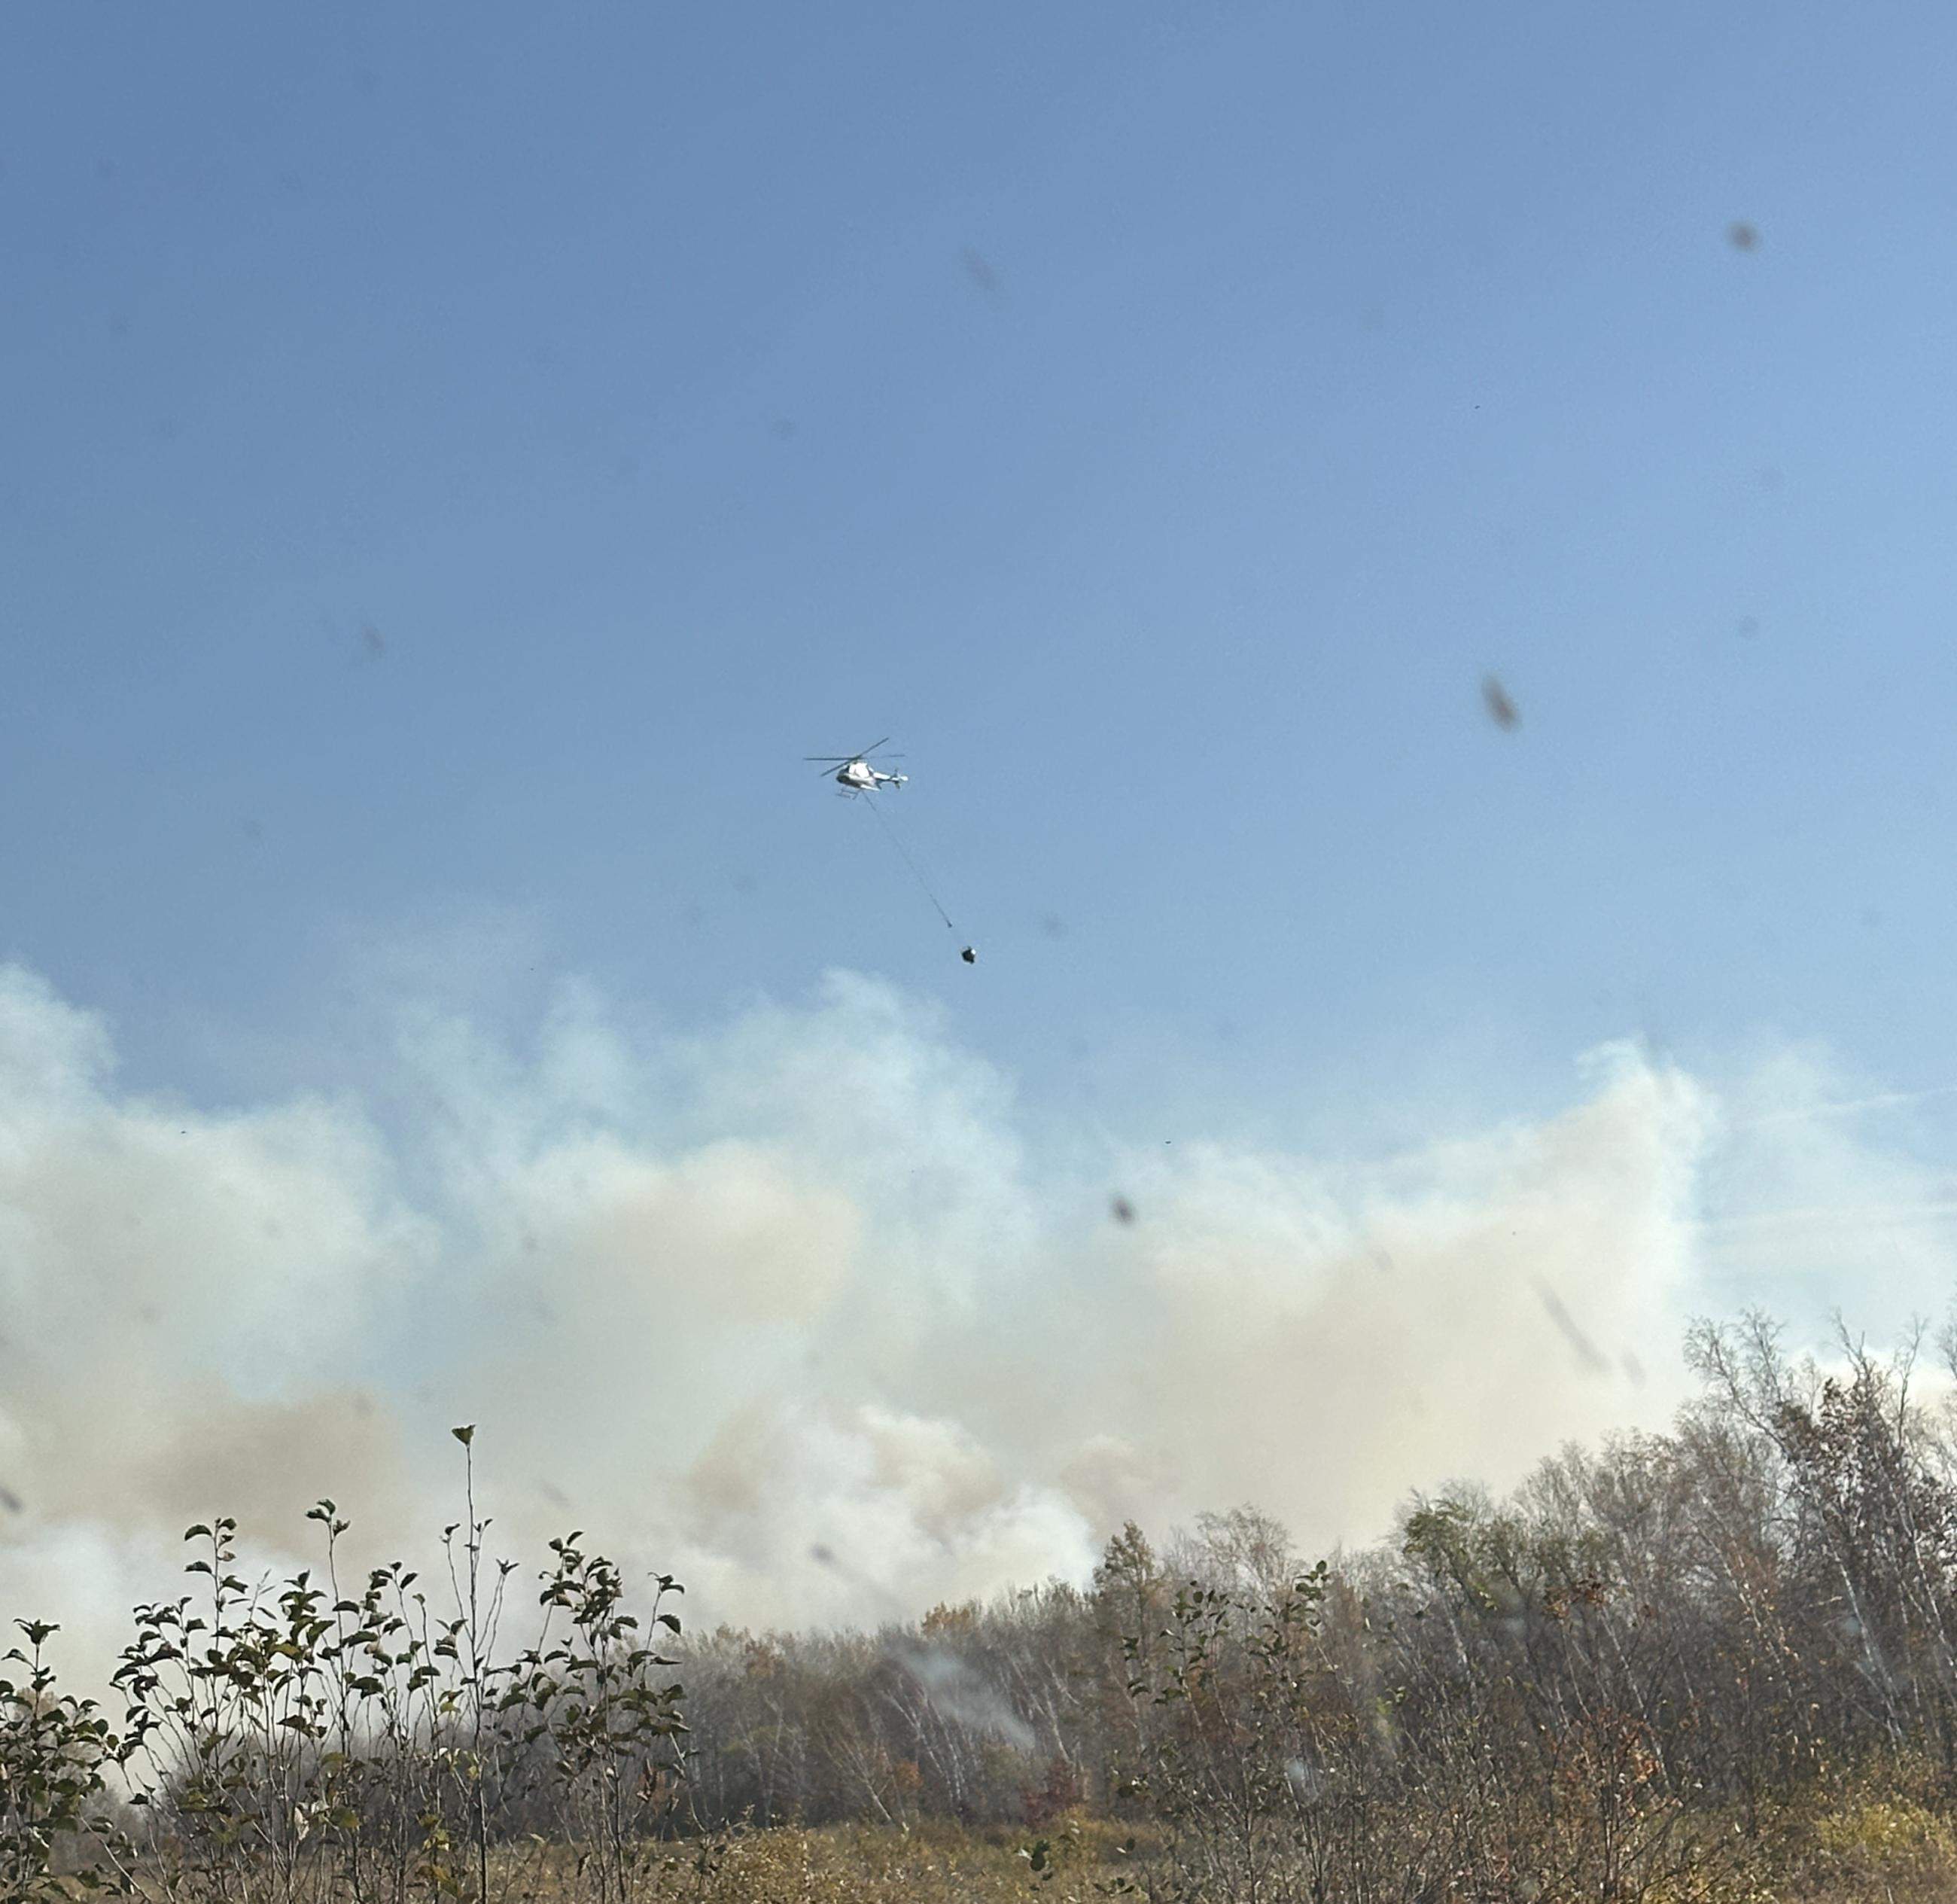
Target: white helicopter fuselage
(859, 776)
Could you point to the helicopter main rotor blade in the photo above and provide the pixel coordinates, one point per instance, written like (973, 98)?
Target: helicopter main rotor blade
(831, 761)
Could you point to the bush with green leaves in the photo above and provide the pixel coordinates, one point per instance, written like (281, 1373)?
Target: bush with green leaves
(54, 1750)
(305, 1741)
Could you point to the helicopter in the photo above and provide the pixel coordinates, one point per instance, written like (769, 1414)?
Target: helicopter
(853, 773)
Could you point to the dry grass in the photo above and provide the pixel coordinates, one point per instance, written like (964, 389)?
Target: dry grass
(927, 1863)
(1866, 1848)
(1867, 1845)
(869, 1867)
(859, 1865)
(1884, 1846)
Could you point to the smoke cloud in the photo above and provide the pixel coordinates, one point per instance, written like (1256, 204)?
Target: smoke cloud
(795, 1310)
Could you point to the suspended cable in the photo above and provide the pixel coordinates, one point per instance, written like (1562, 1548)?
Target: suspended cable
(876, 807)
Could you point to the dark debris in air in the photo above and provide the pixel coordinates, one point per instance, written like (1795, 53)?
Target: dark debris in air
(1501, 710)
(980, 273)
(1587, 1350)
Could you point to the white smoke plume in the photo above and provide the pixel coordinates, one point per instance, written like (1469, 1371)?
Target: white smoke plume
(792, 1311)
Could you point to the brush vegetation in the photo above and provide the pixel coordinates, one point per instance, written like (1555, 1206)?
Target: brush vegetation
(1718, 1666)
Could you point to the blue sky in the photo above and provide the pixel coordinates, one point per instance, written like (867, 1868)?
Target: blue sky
(1159, 417)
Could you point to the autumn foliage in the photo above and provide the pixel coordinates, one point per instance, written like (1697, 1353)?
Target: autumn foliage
(1716, 1664)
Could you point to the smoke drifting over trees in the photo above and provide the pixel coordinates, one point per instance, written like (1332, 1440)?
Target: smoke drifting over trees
(820, 1262)
(898, 1432)
(1653, 1671)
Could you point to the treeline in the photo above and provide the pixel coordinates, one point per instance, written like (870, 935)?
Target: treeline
(1623, 1676)
(1631, 1679)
